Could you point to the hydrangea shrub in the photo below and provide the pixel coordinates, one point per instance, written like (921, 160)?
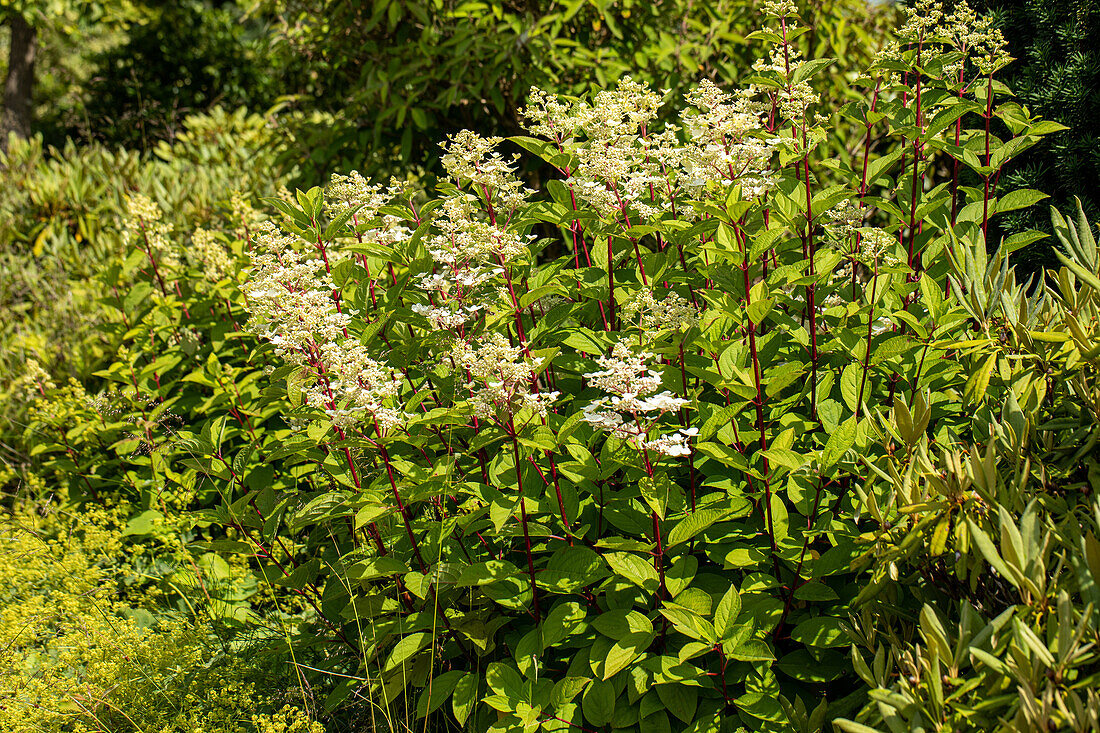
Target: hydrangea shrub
(636, 450)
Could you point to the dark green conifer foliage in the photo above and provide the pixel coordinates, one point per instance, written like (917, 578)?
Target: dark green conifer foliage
(1056, 74)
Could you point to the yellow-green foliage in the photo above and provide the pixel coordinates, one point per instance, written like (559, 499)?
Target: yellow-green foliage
(78, 656)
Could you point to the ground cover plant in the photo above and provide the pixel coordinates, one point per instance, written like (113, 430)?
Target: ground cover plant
(720, 429)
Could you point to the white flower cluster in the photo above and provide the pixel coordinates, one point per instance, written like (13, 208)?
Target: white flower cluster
(354, 387)
(144, 228)
(724, 148)
(631, 388)
(624, 161)
(956, 38)
(502, 380)
(474, 159)
(290, 295)
(549, 117)
(794, 100)
(862, 243)
(345, 193)
(210, 253)
(625, 168)
(291, 299)
(470, 256)
(672, 312)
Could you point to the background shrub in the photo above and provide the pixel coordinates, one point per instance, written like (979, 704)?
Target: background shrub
(1057, 75)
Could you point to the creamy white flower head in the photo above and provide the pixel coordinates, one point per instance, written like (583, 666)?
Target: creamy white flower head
(726, 144)
(675, 445)
(549, 117)
(470, 158)
(353, 192)
(354, 388)
(625, 372)
(290, 296)
(631, 384)
(502, 380)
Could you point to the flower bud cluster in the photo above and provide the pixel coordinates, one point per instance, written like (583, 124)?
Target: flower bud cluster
(33, 381)
(672, 312)
(956, 39)
(723, 147)
(470, 158)
(215, 260)
(632, 391)
(145, 229)
(292, 302)
(502, 381)
(355, 193)
(623, 167)
(865, 244)
(470, 256)
(244, 217)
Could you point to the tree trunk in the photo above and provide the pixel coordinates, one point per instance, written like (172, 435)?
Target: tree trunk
(19, 85)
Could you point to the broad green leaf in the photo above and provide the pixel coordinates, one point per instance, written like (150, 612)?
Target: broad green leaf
(618, 623)
(693, 524)
(598, 703)
(635, 569)
(822, 631)
(840, 442)
(727, 612)
(680, 700)
(407, 646)
(625, 651)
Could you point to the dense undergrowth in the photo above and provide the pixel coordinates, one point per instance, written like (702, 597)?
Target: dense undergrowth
(731, 424)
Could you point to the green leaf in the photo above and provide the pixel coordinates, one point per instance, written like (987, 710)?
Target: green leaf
(598, 703)
(1019, 199)
(752, 650)
(729, 608)
(815, 591)
(657, 491)
(802, 666)
(989, 550)
(693, 524)
(625, 651)
(1085, 276)
(839, 443)
(437, 692)
(823, 631)
(144, 523)
(619, 623)
(690, 623)
(407, 646)
(300, 577)
(978, 383)
(808, 69)
(465, 697)
(633, 568)
(680, 700)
